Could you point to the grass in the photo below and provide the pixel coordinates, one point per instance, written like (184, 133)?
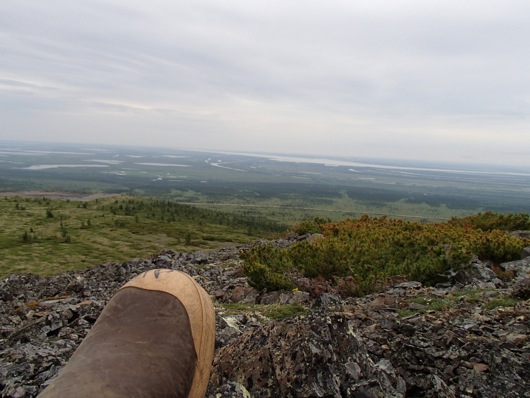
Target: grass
(432, 303)
(271, 311)
(504, 301)
(471, 296)
(452, 300)
(279, 311)
(45, 236)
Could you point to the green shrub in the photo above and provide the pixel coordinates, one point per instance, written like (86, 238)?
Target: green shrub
(374, 252)
(498, 246)
(489, 221)
(310, 226)
(261, 277)
(267, 268)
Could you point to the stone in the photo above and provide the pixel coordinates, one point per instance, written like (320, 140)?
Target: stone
(243, 294)
(521, 289)
(364, 346)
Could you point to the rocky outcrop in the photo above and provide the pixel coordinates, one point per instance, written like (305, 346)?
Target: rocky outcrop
(317, 355)
(467, 338)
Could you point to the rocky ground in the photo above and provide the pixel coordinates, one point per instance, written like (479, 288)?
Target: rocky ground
(466, 338)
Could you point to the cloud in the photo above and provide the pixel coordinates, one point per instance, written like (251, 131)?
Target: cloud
(349, 78)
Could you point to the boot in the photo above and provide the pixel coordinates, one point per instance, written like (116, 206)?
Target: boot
(154, 338)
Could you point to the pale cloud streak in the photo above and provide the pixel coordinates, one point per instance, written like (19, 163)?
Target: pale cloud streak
(440, 80)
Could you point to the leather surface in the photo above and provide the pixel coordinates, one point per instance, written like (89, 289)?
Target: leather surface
(140, 346)
(200, 311)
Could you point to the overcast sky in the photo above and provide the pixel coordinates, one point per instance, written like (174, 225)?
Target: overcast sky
(432, 80)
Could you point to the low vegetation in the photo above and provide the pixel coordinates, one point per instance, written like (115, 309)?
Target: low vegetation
(360, 256)
(419, 305)
(504, 301)
(46, 236)
(489, 221)
(269, 311)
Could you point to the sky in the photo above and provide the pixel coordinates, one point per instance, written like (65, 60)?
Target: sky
(395, 79)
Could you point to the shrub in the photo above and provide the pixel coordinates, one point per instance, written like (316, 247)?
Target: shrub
(310, 226)
(267, 268)
(374, 252)
(489, 221)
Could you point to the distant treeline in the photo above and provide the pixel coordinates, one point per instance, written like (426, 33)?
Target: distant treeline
(85, 180)
(168, 211)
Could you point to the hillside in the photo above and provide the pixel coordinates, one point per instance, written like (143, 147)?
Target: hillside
(467, 337)
(62, 231)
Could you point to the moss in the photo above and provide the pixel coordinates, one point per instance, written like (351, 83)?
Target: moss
(504, 301)
(404, 312)
(432, 303)
(271, 311)
(471, 296)
(278, 311)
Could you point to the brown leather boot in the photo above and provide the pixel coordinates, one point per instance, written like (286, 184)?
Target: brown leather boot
(155, 338)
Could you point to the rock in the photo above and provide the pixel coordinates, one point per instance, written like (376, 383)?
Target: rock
(521, 234)
(391, 344)
(327, 300)
(243, 294)
(521, 289)
(478, 276)
(521, 268)
(517, 339)
(407, 285)
(312, 356)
